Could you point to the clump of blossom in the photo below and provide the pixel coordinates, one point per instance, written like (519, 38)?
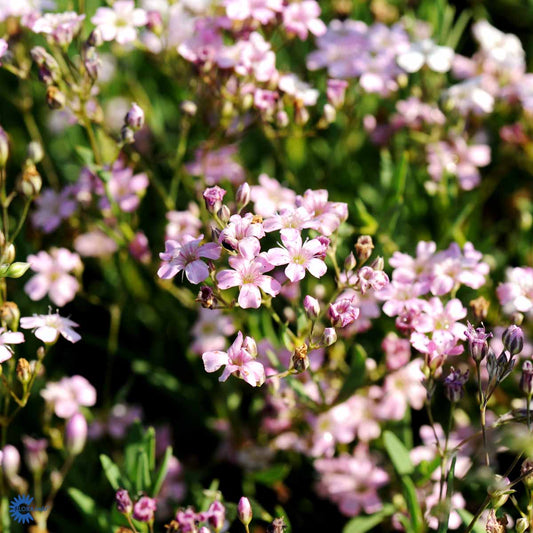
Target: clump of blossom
(47, 328)
(211, 331)
(516, 293)
(426, 52)
(471, 96)
(217, 165)
(125, 188)
(117, 421)
(326, 216)
(53, 208)
(415, 114)
(302, 18)
(457, 158)
(120, 22)
(263, 11)
(270, 196)
(53, 276)
(6, 339)
(95, 244)
(66, 396)
(61, 27)
(241, 227)
(186, 257)
(239, 360)
(182, 224)
(352, 481)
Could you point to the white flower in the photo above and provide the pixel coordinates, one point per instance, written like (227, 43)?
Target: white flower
(48, 327)
(119, 22)
(426, 52)
(6, 338)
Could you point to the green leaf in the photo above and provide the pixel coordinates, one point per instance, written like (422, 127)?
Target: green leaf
(85, 154)
(413, 505)
(161, 473)
(360, 524)
(366, 223)
(272, 475)
(142, 479)
(426, 468)
(356, 376)
(443, 522)
(112, 472)
(89, 508)
(399, 178)
(149, 437)
(398, 454)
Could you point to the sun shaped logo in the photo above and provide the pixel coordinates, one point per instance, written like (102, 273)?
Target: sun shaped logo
(20, 508)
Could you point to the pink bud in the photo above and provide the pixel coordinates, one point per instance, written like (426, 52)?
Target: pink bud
(75, 434)
(311, 306)
(242, 197)
(135, 117)
(10, 461)
(244, 510)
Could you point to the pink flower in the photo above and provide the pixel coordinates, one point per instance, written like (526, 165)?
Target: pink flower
(264, 11)
(270, 196)
(342, 313)
(186, 256)
(217, 165)
(301, 91)
(368, 278)
(298, 218)
(303, 17)
(183, 224)
(516, 294)
(7, 338)
(62, 27)
(397, 351)
(119, 23)
(299, 256)
(52, 208)
(125, 188)
(239, 361)
(248, 274)
(239, 228)
(66, 396)
(327, 216)
(53, 276)
(211, 331)
(95, 244)
(47, 328)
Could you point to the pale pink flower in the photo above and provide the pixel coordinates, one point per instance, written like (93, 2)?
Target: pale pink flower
(47, 328)
(298, 219)
(433, 506)
(217, 165)
(62, 27)
(437, 317)
(301, 91)
(254, 57)
(397, 351)
(211, 331)
(186, 257)
(7, 338)
(52, 208)
(270, 196)
(368, 278)
(125, 188)
(343, 312)
(3, 48)
(53, 276)
(301, 18)
(183, 224)
(248, 274)
(239, 228)
(516, 294)
(327, 216)
(426, 52)
(238, 360)
(401, 297)
(120, 22)
(264, 11)
(299, 256)
(95, 244)
(66, 396)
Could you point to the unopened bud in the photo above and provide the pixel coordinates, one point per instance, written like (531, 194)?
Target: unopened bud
(364, 247)
(30, 182)
(135, 117)
(499, 492)
(242, 197)
(213, 198)
(189, 108)
(299, 360)
(330, 114)
(13, 270)
(350, 262)
(35, 453)
(526, 472)
(378, 263)
(244, 511)
(4, 147)
(311, 307)
(10, 315)
(329, 336)
(91, 62)
(513, 339)
(41, 352)
(75, 434)
(526, 380)
(282, 119)
(206, 297)
(55, 98)
(454, 385)
(35, 152)
(123, 502)
(95, 38)
(517, 318)
(522, 524)
(10, 461)
(224, 214)
(23, 370)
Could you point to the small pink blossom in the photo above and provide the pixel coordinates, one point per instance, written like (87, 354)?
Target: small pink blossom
(125, 188)
(211, 331)
(248, 274)
(238, 360)
(241, 227)
(66, 396)
(326, 216)
(186, 257)
(516, 294)
(95, 244)
(217, 165)
(6, 339)
(52, 208)
(343, 312)
(120, 22)
(47, 328)
(53, 276)
(270, 196)
(62, 27)
(264, 11)
(299, 256)
(301, 18)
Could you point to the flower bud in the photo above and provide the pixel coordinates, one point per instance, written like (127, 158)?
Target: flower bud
(55, 98)
(31, 182)
(10, 315)
(224, 214)
(526, 380)
(14, 270)
(244, 511)
(123, 502)
(189, 108)
(282, 119)
(499, 492)
(299, 360)
(242, 196)
(144, 509)
(522, 524)
(217, 515)
(350, 262)
(364, 247)
(480, 308)
(4, 147)
(277, 526)
(135, 117)
(378, 264)
(95, 38)
(10, 461)
(330, 114)
(23, 370)
(513, 339)
(526, 470)
(454, 385)
(213, 198)
(75, 434)
(329, 336)
(35, 453)
(35, 152)
(206, 298)
(311, 307)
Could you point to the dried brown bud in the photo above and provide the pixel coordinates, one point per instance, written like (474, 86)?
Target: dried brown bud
(480, 308)
(299, 360)
(31, 182)
(206, 298)
(277, 526)
(23, 370)
(364, 247)
(10, 315)
(55, 98)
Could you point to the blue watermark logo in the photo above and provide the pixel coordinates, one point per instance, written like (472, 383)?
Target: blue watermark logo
(20, 508)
